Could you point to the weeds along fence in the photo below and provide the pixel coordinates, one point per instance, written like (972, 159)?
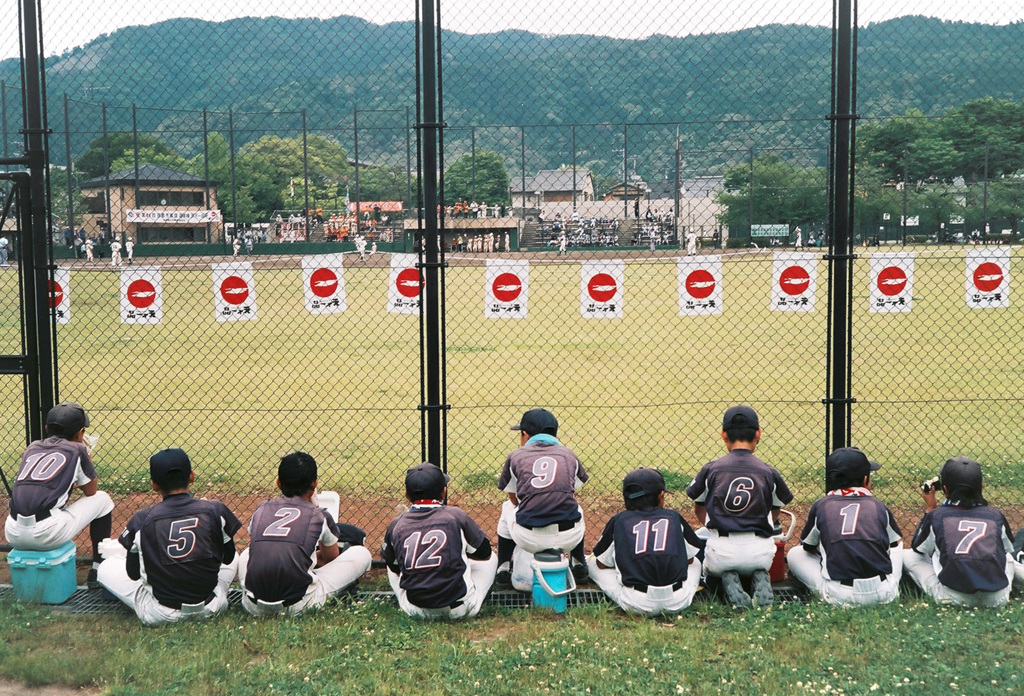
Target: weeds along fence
(637, 232)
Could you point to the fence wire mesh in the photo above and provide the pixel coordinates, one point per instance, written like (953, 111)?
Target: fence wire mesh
(635, 221)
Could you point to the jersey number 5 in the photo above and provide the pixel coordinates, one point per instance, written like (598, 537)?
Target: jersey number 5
(182, 538)
(431, 542)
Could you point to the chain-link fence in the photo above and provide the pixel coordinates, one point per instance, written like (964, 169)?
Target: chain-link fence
(635, 228)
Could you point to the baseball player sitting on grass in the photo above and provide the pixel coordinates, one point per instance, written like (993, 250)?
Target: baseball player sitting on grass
(181, 551)
(851, 553)
(961, 551)
(737, 497)
(40, 517)
(541, 478)
(282, 571)
(648, 558)
(439, 561)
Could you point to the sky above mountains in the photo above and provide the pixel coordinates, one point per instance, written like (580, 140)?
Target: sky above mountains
(70, 23)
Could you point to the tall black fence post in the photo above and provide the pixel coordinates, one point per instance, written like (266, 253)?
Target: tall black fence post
(408, 162)
(106, 167)
(68, 172)
(36, 272)
(574, 183)
(234, 180)
(305, 174)
(432, 407)
(135, 148)
(206, 169)
(355, 156)
(838, 397)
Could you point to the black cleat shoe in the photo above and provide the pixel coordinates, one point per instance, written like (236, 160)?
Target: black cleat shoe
(91, 582)
(503, 578)
(580, 573)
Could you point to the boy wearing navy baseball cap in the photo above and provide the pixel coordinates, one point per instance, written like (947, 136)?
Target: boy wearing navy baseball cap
(180, 552)
(737, 498)
(962, 550)
(439, 560)
(541, 478)
(42, 516)
(851, 549)
(648, 559)
(295, 560)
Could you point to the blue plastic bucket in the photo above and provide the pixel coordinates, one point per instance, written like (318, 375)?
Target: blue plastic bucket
(552, 581)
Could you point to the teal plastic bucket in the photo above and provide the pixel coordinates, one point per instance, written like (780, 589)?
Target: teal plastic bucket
(552, 581)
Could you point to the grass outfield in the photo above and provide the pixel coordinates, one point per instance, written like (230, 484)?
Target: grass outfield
(911, 647)
(644, 390)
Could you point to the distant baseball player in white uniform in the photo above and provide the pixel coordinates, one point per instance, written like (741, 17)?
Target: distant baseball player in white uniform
(361, 247)
(236, 246)
(799, 242)
(541, 478)
(962, 550)
(115, 253)
(129, 249)
(439, 560)
(298, 556)
(691, 243)
(180, 552)
(648, 559)
(851, 549)
(738, 498)
(41, 515)
(88, 250)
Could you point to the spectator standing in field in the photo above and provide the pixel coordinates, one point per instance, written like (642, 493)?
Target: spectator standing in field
(541, 478)
(850, 552)
(648, 559)
(248, 242)
(738, 497)
(4, 249)
(129, 249)
(961, 550)
(439, 560)
(41, 515)
(115, 253)
(298, 555)
(180, 552)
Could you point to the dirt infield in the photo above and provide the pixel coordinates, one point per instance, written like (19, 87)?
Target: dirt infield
(8, 688)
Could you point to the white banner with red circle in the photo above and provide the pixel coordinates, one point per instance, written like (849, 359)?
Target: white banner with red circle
(892, 282)
(987, 282)
(60, 295)
(405, 285)
(794, 281)
(601, 291)
(234, 291)
(507, 289)
(323, 283)
(700, 285)
(142, 295)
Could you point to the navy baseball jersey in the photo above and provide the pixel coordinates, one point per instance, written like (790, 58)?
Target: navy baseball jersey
(544, 476)
(972, 544)
(428, 547)
(181, 544)
(650, 547)
(284, 533)
(739, 492)
(853, 534)
(49, 469)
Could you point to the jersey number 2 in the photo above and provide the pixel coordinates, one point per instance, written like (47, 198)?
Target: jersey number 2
(281, 528)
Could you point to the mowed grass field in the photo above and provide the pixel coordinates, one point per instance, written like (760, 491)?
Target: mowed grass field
(647, 389)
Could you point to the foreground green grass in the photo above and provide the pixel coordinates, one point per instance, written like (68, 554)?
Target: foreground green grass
(372, 648)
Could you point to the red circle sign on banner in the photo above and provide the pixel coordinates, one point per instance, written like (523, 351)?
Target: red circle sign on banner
(700, 284)
(234, 290)
(892, 280)
(507, 287)
(56, 294)
(409, 282)
(141, 293)
(323, 282)
(794, 280)
(602, 287)
(988, 276)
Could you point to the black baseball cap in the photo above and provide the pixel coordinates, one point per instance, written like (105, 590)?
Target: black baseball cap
(425, 481)
(538, 421)
(641, 482)
(165, 461)
(961, 473)
(848, 466)
(68, 417)
(740, 417)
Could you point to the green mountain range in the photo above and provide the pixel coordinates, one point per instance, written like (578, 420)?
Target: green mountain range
(766, 87)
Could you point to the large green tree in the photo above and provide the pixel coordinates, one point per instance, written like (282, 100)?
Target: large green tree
(491, 178)
(121, 150)
(782, 193)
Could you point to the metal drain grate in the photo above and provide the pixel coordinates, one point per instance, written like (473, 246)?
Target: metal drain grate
(86, 601)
